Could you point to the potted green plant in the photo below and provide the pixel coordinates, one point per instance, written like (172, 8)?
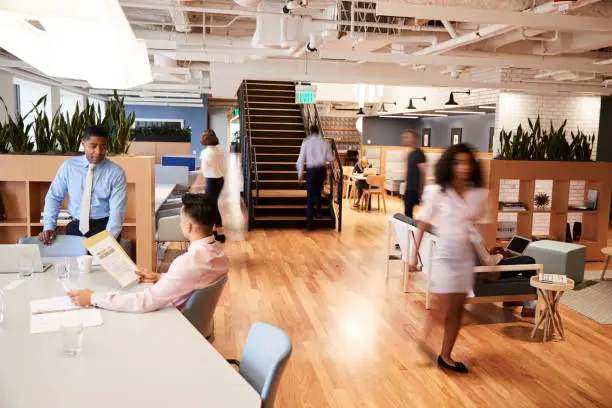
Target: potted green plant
(120, 125)
(541, 200)
(43, 129)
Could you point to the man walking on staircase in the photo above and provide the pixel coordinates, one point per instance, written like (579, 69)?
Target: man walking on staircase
(314, 153)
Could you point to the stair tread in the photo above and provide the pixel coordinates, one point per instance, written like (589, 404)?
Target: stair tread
(276, 138)
(278, 130)
(275, 123)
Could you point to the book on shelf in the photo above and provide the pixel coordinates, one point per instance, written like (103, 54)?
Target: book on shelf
(62, 216)
(511, 206)
(553, 278)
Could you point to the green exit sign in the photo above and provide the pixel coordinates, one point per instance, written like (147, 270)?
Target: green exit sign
(305, 94)
(236, 112)
(306, 97)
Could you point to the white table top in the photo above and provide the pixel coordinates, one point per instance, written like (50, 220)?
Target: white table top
(133, 360)
(162, 191)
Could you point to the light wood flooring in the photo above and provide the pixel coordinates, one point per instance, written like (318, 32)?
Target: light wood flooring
(354, 333)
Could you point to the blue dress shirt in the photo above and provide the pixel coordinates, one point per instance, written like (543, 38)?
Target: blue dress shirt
(108, 195)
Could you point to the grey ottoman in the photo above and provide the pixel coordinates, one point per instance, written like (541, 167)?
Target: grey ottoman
(559, 257)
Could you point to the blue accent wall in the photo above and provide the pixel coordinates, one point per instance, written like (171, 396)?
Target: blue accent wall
(196, 118)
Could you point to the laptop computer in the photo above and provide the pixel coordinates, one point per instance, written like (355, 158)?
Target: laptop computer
(517, 245)
(11, 254)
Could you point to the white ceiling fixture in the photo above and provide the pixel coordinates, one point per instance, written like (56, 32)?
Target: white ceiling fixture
(64, 39)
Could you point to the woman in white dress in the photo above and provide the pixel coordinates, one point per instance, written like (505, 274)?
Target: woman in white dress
(212, 167)
(452, 205)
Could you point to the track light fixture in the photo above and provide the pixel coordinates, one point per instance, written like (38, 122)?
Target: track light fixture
(382, 106)
(451, 100)
(411, 106)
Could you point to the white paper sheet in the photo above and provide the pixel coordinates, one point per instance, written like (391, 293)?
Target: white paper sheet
(52, 311)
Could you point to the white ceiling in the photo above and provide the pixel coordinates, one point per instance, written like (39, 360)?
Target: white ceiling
(527, 45)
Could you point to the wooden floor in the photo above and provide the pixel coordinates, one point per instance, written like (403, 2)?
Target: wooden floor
(354, 332)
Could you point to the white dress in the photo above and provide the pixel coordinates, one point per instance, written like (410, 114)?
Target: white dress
(453, 256)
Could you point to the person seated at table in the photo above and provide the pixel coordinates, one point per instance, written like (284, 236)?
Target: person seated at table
(361, 185)
(203, 265)
(499, 256)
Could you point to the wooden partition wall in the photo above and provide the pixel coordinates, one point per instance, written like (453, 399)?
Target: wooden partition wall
(596, 175)
(158, 149)
(25, 179)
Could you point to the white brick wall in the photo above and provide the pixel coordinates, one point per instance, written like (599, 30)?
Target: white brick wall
(581, 112)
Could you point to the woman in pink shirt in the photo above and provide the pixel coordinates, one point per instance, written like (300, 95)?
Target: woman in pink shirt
(203, 265)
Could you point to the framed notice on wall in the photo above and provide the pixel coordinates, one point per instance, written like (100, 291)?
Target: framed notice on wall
(491, 135)
(426, 137)
(456, 134)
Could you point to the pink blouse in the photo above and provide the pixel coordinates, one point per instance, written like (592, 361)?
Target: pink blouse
(203, 265)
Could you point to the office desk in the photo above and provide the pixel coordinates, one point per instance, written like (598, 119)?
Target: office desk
(153, 360)
(162, 192)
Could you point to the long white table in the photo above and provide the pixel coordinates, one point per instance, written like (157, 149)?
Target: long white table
(153, 360)
(162, 192)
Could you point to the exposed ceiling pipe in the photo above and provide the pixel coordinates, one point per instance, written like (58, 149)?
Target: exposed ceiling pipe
(483, 33)
(449, 27)
(525, 37)
(180, 20)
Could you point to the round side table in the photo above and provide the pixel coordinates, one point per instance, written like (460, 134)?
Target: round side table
(549, 318)
(608, 253)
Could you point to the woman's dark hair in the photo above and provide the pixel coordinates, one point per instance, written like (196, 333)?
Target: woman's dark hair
(209, 138)
(314, 129)
(444, 167)
(200, 208)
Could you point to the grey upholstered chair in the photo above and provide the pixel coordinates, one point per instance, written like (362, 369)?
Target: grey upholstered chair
(200, 308)
(62, 246)
(264, 358)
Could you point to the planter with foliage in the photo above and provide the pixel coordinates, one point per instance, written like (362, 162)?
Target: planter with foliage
(537, 143)
(64, 133)
(161, 134)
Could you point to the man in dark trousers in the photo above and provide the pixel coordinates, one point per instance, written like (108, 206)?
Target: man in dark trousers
(415, 172)
(314, 154)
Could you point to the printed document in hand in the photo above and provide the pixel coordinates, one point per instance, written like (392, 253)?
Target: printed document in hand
(112, 257)
(46, 315)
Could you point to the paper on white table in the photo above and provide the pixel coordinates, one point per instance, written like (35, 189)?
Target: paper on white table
(113, 258)
(48, 314)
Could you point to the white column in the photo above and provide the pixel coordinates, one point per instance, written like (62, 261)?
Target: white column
(7, 93)
(55, 99)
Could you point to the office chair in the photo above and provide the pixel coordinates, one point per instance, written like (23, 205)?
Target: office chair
(264, 358)
(61, 246)
(200, 308)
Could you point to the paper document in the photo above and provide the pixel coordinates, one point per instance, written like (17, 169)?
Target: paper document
(46, 315)
(113, 258)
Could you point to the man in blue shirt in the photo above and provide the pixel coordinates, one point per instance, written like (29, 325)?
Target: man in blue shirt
(314, 153)
(96, 187)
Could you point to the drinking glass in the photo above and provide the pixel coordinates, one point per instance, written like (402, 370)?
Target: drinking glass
(72, 336)
(26, 267)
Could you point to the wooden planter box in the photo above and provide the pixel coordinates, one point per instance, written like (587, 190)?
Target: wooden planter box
(25, 179)
(597, 176)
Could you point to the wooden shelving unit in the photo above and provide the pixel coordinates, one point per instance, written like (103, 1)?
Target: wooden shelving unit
(597, 176)
(26, 180)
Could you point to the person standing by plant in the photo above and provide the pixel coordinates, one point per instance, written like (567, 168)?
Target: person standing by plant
(415, 172)
(452, 205)
(97, 190)
(212, 172)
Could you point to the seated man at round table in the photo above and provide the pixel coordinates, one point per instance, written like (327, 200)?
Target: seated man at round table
(203, 265)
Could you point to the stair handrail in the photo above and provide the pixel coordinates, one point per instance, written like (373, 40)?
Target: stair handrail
(310, 116)
(247, 155)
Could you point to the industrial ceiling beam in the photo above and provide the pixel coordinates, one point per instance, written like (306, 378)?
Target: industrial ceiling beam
(563, 22)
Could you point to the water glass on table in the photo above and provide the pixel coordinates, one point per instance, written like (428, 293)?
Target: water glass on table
(26, 267)
(72, 336)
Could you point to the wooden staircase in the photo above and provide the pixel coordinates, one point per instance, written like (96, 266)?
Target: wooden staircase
(276, 133)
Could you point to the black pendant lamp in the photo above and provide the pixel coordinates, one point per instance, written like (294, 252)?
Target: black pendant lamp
(451, 100)
(411, 106)
(360, 112)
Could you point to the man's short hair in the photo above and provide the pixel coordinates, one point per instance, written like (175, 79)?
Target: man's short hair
(95, 131)
(200, 208)
(412, 131)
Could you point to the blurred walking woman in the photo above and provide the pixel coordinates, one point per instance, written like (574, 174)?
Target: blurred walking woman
(455, 203)
(212, 167)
